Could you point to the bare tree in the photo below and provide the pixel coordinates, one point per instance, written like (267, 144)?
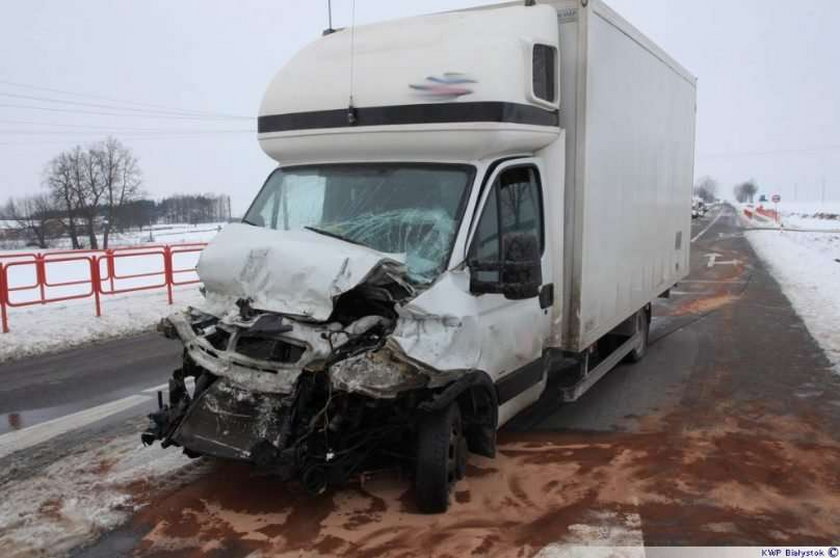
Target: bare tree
(90, 193)
(91, 183)
(120, 175)
(35, 218)
(706, 189)
(59, 178)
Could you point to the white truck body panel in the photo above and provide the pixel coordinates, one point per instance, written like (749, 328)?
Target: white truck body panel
(628, 110)
(392, 64)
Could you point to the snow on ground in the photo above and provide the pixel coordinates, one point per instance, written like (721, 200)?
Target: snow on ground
(807, 266)
(79, 497)
(803, 215)
(52, 327)
(808, 208)
(156, 234)
(810, 215)
(169, 234)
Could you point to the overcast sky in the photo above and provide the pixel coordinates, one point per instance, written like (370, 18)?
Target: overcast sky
(769, 83)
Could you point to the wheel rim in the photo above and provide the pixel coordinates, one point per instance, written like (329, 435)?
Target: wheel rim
(453, 454)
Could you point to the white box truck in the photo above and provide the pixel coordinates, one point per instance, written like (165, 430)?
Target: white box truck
(466, 206)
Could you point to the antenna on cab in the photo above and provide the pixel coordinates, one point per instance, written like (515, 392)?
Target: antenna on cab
(329, 28)
(351, 110)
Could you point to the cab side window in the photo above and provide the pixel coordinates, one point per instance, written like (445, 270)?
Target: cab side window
(514, 205)
(543, 72)
(520, 203)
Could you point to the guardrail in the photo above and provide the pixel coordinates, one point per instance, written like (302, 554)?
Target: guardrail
(37, 278)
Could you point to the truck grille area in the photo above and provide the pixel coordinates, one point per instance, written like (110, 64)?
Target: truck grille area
(272, 350)
(219, 339)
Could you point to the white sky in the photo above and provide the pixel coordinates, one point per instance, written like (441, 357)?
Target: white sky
(769, 82)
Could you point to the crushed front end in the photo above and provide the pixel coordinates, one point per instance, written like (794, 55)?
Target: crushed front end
(312, 358)
(304, 399)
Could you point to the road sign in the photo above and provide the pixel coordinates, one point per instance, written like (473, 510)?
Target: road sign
(776, 198)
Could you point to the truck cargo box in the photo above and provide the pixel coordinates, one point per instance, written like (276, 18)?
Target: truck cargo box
(628, 110)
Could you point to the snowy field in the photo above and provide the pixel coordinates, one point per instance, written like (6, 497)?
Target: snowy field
(50, 327)
(810, 216)
(156, 234)
(807, 266)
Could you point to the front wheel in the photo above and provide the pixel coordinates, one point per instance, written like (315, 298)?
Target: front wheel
(441, 457)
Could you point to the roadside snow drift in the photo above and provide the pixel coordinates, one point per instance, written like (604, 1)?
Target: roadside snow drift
(807, 266)
(78, 498)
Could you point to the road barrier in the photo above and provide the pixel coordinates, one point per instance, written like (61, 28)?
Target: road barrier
(37, 278)
(761, 212)
(769, 213)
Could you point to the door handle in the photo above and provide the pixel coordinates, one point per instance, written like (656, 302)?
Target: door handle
(546, 295)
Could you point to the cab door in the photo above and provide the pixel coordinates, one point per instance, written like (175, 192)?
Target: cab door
(510, 278)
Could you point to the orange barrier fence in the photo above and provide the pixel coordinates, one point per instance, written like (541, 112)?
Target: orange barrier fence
(36, 278)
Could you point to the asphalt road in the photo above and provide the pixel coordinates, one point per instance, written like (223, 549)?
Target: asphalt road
(38, 389)
(726, 433)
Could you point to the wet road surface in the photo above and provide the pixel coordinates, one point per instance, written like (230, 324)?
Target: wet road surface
(726, 433)
(38, 389)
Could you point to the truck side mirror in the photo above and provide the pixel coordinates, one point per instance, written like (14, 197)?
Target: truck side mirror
(518, 276)
(522, 266)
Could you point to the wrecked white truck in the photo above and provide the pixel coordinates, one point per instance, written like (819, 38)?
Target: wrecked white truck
(490, 199)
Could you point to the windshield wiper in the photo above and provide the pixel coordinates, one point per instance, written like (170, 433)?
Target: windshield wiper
(333, 235)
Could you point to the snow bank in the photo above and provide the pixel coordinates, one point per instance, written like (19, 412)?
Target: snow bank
(807, 266)
(51, 327)
(79, 497)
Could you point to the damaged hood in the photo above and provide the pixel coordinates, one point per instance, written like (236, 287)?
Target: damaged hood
(296, 272)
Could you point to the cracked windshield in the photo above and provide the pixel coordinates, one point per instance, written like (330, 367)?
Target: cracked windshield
(408, 212)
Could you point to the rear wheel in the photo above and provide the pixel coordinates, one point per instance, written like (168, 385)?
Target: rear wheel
(643, 327)
(441, 458)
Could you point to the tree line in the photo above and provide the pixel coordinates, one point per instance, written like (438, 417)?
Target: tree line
(706, 189)
(92, 191)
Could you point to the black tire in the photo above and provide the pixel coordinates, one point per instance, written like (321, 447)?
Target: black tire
(440, 458)
(643, 324)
